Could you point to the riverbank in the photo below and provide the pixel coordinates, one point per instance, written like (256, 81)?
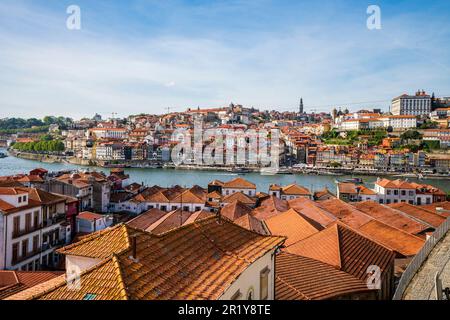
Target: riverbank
(188, 177)
(46, 158)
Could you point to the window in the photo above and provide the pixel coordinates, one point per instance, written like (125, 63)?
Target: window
(381, 201)
(388, 201)
(24, 198)
(16, 227)
(198, 208)
(264, 284)
(403, 193)
(237, 295)
(36, 243)
(396, 192)
(24, 248)
(20, 199)
(28, 222)
(15, 252)
(36, 219)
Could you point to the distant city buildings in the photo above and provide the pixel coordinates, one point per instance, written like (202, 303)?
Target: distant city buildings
(417, 105)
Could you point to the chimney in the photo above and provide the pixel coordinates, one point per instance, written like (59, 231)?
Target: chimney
(133, 249)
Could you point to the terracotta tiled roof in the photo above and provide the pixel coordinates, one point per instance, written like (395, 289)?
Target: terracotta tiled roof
(216, 183)
(101, 244)
(270, 207)
(345, 249)
(44, 197)
(146, 219)
(418, 212)
(11, 191)
(302, 278)
(13, 282)
(86, 215)
(345, 212)
(395, 184)
(235, 210)
(295, 189)
(239, 196)
(351, 188)
(30, 178)
(198, 261)
(292, 225)
(391, 217)
(239, 183)
(176, 219)
(214, 195)
(309, 209)
(251, 223)
(434, 208)
(191, 196)
(324, 194)
(392, 238)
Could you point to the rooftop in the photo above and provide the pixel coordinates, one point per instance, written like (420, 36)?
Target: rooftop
(302, 278)
(197, 261)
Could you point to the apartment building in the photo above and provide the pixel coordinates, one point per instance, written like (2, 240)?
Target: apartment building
(350, 192)
(397, 191)
(289, 192)
(32, 226)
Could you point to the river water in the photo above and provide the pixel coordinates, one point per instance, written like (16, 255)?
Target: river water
(170, 177)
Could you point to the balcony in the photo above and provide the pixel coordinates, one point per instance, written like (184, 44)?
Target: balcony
(55, 219)
(30, 254)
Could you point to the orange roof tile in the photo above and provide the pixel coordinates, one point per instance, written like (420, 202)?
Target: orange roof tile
(345, 212)
(235, 210)
(302, 278)
(418, 212)
(292, 225)
(394, 239)
(391, 217)
(309, 209)
(239, 183)
(241, 197)
(344, 248)
(198, 261)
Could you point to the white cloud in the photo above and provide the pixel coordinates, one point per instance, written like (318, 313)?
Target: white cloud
(79, 74)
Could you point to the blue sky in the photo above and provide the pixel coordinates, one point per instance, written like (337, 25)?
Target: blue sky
(147, 55)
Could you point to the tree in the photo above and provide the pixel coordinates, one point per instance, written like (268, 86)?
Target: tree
(410, 135)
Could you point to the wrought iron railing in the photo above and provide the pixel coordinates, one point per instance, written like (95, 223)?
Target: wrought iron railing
(419, 258)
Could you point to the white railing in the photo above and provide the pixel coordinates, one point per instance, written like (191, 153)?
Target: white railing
(419, 258)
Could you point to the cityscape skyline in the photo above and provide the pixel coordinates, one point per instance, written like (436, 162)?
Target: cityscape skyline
(146, 56)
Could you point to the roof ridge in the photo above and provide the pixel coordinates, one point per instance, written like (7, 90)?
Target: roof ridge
(91, 237)
(117, 264)
(338, 235)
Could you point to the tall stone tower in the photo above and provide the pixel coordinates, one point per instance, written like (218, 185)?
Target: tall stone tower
(300, 109)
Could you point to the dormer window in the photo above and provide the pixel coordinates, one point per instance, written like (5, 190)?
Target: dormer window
(20, 199)
(24, 198)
